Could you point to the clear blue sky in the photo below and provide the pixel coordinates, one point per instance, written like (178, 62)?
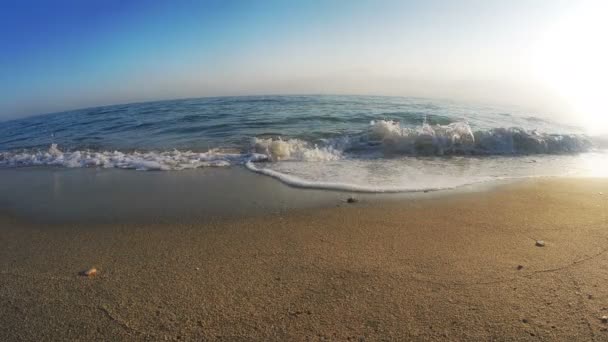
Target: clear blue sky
(57, 55)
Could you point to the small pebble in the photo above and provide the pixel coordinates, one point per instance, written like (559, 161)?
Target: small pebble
(604, 319)
(519, 267)
(590, 296)
(352, 200)
(540, 243)
(524, 320)
(197, 268)
(91, 272)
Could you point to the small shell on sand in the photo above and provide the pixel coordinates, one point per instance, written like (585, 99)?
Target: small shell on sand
(91, 272)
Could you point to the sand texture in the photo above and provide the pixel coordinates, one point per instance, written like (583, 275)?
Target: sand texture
(462, 267)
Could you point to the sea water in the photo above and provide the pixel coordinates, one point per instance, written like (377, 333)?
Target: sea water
(352, 143)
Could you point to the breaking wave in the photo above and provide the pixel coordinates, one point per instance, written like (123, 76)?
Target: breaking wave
(459, 139)
(389, 138)
(295, 149)
(143, 161)
(385, 157)
(383, 139)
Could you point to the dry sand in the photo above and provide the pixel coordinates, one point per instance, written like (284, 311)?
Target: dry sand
(434, 269)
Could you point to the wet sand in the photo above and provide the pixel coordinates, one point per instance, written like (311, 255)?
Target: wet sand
(458, 267)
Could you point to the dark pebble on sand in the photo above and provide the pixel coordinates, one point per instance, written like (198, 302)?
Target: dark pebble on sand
(519, 267)
(352, 200)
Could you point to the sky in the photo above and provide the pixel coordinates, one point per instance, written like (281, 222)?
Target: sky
(59, 55)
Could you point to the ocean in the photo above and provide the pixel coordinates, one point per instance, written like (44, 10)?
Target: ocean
(350, 143)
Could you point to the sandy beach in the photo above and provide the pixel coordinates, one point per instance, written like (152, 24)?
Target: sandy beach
(303, 171)
(458, 267)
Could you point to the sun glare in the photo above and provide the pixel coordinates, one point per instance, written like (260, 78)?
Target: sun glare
(572, 59)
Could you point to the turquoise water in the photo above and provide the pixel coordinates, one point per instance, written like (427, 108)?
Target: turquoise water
(360, 143)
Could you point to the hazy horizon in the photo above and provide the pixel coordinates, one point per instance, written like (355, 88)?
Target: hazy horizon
(542, 55)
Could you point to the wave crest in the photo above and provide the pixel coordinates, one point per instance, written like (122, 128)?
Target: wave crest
(459, 139)
(295, 149)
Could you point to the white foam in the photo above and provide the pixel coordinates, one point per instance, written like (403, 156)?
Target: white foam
(170, 160)
(321, 185)
(412, 174)
(295, 149)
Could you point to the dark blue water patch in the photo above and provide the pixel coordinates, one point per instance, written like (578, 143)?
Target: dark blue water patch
(317, 118)
(77, 139)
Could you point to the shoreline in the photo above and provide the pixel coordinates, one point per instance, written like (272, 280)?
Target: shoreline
(432, 269)
(84, 195)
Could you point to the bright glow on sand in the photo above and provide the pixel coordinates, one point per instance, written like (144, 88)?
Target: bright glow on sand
(571, 59)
